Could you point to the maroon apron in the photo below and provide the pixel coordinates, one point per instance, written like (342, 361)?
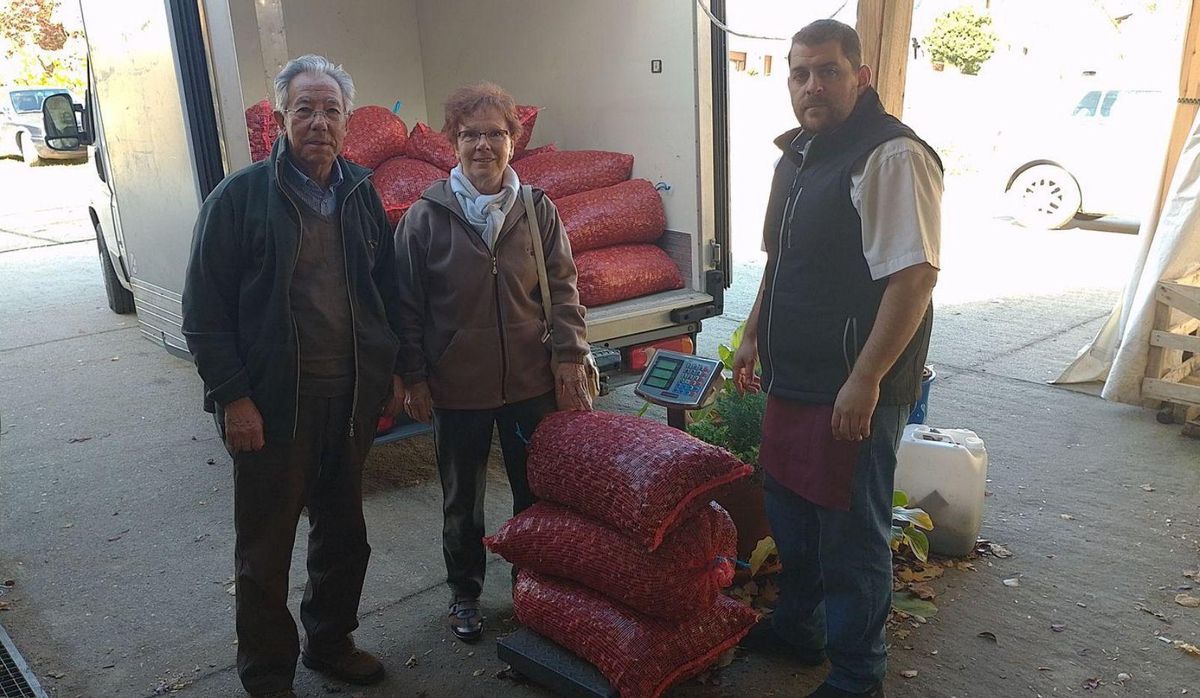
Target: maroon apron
(798, 450)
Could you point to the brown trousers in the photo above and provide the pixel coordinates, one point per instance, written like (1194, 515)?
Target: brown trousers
(321, 468)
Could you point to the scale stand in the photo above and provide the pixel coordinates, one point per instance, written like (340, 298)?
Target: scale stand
(547, 664)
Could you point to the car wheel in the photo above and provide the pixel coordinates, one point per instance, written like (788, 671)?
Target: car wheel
(28, 151)
(120, 300)
(1045, 196)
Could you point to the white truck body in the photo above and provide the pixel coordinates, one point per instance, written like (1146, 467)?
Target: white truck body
(171, 80)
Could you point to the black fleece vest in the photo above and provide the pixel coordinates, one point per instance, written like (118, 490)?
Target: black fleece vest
(819, 300)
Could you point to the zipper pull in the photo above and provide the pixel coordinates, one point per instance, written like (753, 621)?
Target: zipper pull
(351, 426)
(494, 271)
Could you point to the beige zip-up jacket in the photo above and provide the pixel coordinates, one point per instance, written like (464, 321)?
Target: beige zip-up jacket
(471, 319)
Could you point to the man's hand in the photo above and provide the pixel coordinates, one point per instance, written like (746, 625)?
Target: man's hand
(418, 404)
(853, 409)
(571, 387)
(243, 426)
(396, 403)
(745, 359)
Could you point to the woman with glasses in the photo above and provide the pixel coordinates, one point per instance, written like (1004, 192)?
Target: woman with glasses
(476, 351)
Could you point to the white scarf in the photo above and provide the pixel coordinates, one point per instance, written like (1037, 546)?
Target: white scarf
(485, 212)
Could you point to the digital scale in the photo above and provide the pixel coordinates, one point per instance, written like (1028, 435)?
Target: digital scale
(673, 380)
(680, 381)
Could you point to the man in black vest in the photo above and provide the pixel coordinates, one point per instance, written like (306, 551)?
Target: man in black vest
(841, 326)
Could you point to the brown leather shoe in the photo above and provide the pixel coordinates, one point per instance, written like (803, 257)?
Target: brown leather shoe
(351, 665)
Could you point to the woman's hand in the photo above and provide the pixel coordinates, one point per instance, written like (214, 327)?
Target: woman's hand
(418, 404)
(396, 402)
(571, 387)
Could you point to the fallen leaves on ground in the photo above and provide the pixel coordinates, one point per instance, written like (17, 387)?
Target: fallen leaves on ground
(1187, 601)
(1147, 487)
(1012, 582)
(1187, 647)
(760, 595)
(174, 685)
(989, 636)
(985, 547)
(910, 604)
(1157, 614)
(1092, 684)
(919, 572)
(763, 552)
(1067, 517)
(909, 673)
(412, 661)
(1058, 627)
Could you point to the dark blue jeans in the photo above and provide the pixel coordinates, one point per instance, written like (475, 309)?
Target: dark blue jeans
(836, 584)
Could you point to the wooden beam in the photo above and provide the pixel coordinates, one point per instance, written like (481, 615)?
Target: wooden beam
(1186, 107)
(1180, 342)
(885, 28)
(1171, 392)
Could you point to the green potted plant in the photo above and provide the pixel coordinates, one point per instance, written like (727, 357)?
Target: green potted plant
(734, 422)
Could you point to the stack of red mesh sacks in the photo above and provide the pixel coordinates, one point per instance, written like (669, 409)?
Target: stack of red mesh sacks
(611, 220)
(623, 558)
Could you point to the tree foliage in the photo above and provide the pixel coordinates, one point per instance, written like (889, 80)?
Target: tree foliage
(42, 44)
(962, 38)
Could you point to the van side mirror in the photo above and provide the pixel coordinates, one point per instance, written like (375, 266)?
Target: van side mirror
(62, 128)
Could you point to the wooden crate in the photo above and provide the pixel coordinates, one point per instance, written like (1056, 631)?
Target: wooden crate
(1173, 365)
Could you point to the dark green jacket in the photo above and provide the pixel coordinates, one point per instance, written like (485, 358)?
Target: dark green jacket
(237, 315)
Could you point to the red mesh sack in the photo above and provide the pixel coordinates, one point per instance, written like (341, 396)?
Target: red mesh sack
(527, 115)
(400, 182)
(431, 146)
(624, 213)
(695, 561)
(374, 135)
(618, 273)
(640, 656)
(548, 148)
(261, 130)
(566, 172)
(638, 476)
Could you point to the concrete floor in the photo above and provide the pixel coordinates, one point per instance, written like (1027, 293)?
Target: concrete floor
(116, 510)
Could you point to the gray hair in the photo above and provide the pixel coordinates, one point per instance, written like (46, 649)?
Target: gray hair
(319, 65)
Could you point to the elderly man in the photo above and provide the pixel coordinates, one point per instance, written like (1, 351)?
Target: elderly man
(841, 325)
(288, 309)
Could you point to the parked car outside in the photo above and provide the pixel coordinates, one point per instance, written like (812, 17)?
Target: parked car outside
(1102, 157)
(21, 131)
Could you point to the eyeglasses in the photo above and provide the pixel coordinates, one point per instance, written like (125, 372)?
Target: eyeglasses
(332, 115)
(496, 136)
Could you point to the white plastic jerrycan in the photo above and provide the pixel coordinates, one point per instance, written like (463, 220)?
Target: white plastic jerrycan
(944, 472)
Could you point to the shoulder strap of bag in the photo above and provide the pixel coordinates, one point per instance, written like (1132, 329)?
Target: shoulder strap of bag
(539, 256)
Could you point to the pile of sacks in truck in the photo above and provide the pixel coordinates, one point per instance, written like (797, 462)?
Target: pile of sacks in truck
(612, 221)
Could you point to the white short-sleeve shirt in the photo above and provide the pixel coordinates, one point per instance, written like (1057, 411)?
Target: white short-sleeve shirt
(897, 190)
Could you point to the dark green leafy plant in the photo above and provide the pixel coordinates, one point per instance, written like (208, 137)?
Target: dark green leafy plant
(733, 421)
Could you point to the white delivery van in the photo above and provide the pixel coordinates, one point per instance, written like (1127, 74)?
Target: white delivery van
(170, 80)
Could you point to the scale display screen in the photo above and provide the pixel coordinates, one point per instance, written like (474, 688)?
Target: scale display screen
(678, 380)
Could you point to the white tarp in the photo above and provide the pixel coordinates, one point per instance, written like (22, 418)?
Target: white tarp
(1170, 248)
